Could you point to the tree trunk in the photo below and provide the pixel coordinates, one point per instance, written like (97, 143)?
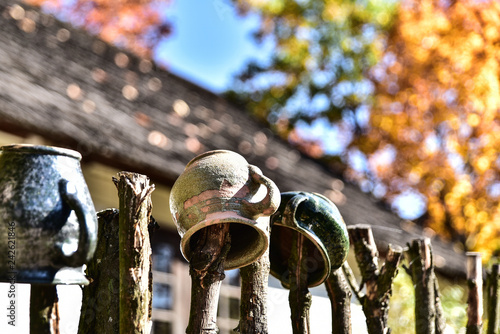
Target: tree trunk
(299, 297)
(340, 298)
(100, 311)
(378, 284)
(206, 267)
(253, 308)
(134, 193)
(493, 291)
(44, 309)
(475, 298)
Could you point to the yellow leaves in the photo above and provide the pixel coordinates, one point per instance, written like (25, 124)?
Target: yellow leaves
(483, 164)
(474, 42)
(334, 11)
(386, 123)
(473, 120)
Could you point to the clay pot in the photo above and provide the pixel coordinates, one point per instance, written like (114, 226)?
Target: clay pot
(48, 224)
(318, 219)
(220, 187)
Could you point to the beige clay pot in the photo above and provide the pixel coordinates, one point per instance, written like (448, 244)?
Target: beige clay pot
(220, 187)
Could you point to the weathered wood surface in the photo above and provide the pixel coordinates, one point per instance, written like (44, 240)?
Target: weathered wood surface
(44, 309)
(67, 86)
(135, 253)
(377, 282)
(206, 267)
(100, 308)
(493, 299)
(475, 296)
(253, 307)
(428, 311)
(340, 295)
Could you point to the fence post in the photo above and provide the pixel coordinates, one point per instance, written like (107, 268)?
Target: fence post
(253, 308)
(206, 267)
(340, 298)
(300, 298)
(44, 309)
(475, 298)
(493, 294)
(378, 283)
(100, 308)
(134, 193)
(428, 315)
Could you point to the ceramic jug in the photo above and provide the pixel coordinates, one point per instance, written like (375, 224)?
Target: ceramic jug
(48, 224)
(319, 221)
(220, 187)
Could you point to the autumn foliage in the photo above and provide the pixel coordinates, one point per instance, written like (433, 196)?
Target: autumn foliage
(137, 25)
(437, 107)
(413, 87)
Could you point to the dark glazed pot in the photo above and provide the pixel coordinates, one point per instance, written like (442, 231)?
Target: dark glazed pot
(318, 219)
(48, 224)
(220, 187)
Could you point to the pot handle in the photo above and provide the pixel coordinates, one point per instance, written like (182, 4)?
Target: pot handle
(270, 203)
(69, 195)
(290, 212)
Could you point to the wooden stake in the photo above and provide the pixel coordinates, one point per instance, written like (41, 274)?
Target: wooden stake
(493, 293)
(475, 298)
(378, 283)
(300, 298)
(253, 308)
(100, 307)
(428, 315)
(340, 298)
(44, 309)
(134, 193)
(206, 268)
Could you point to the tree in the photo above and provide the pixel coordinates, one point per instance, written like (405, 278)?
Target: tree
(433, 119)
(436, 108)
(323, 50)
(137, 25)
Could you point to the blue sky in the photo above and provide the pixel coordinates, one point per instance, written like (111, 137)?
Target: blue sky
(210, 42)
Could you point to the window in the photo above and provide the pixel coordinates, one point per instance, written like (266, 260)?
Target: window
(161, 327)
(162, 296)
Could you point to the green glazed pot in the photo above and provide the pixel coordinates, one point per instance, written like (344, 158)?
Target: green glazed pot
(220, 187)
(318, 219)
(48, 224)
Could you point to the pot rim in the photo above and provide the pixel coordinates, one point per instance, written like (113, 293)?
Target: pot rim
(41, 149)
(260, 226)
(207, 153)
(316, 241)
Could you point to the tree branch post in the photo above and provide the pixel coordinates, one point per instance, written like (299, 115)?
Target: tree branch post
(378, 283)
(299, 297)
(493, 295)
(340, 295)
(206, 267)
(100, 311)
(134, 193)
(475, 297)
(428, 315)
(44, 309)
(253, 308)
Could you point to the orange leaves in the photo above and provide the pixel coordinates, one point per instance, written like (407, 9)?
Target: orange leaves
(446, 70)
(133, 24)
